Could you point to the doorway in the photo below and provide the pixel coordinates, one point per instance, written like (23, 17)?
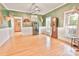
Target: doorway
(17, 24)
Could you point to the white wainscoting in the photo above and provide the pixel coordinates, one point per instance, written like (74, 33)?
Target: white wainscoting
(4, 35)
(61, 33)
(29, 31)
(42, 29)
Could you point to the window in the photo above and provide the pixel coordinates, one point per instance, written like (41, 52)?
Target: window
(48, 25)
(73, 18)
(71, 21)
(48, 22)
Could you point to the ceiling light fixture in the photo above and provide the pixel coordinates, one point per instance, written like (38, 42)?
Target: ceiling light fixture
(34, 9)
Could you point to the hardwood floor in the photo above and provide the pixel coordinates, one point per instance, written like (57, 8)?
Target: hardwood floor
(36, 45)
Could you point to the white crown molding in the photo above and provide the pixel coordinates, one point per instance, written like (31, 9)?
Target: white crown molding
(17, 10)
(27, 12)
(4, 5)
(11, 9)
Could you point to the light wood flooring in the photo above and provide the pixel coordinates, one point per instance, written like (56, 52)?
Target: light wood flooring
(36, 45)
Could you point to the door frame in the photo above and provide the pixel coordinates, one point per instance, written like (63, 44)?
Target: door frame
(20, 21)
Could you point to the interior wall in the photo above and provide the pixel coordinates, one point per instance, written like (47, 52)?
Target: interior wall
(1, 15)
(59, 12)
(4, 37)
(22, 14)
(4, 32)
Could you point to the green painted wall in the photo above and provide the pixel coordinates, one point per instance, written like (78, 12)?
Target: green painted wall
(59, 12)
(18, 14)
(21, 14)
(5, 12)
(3, 22)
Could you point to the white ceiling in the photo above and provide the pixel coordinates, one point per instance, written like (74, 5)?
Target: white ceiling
(24, 7)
